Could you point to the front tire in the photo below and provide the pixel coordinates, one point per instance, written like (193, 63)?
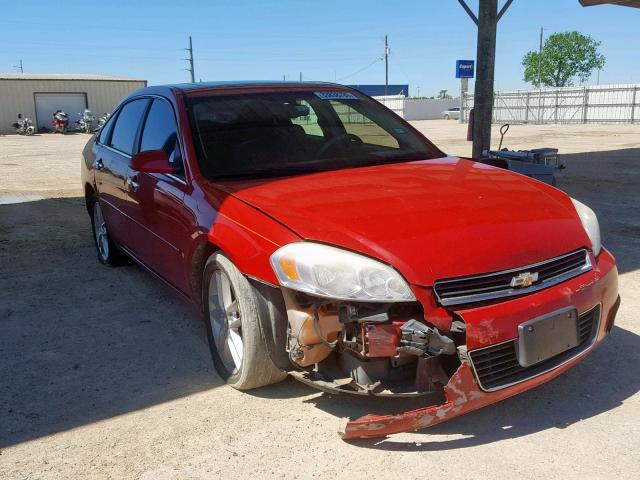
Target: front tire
(233, 327)
(446, 117)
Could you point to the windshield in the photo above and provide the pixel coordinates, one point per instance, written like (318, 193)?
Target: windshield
(286, 133)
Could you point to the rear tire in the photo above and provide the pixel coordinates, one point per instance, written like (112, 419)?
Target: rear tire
(233, 327)
(108, 252)
(446, 117)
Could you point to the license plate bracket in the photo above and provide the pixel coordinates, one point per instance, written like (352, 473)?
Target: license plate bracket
(547, 336)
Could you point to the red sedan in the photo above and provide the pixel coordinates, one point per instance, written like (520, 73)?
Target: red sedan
(324, 237)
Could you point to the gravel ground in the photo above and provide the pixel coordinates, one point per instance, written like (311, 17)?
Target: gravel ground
(105, 373)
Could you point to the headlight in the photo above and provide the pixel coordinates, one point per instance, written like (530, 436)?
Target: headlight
(590, 224)
(334, 273)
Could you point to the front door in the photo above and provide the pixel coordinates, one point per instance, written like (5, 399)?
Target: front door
(162, 221)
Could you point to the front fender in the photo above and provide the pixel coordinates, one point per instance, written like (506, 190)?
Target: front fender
(248, 237)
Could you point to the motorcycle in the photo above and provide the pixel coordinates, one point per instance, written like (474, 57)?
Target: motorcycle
(103, 119)
(85, 123)
(24, 126)
(60, 122)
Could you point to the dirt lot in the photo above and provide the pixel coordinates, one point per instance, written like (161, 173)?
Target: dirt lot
(104, 373)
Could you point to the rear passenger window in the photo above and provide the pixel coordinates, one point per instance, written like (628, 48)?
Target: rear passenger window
(126, 127)
(160, 131)
(104, 131)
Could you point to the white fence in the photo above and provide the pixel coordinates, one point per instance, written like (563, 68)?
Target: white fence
(427, 108)
(592, 104)
(418, 108)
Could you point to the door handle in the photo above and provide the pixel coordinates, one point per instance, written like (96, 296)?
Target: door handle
(132, 182)
(99, 164)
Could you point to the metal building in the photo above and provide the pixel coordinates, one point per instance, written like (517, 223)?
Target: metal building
(37, 96)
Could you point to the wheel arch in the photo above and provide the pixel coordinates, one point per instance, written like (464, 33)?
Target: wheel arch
(272, 312)
(201, 253)
(90, 197)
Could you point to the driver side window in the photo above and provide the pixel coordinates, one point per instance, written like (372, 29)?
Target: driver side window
(160, 133)
(310, 122)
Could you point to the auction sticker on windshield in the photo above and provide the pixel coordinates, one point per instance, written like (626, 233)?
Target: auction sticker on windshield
(335, 95)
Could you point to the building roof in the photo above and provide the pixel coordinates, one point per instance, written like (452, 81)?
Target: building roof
(65, 76)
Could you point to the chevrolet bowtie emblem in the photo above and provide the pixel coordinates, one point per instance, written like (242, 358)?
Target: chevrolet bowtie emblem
(523, 280)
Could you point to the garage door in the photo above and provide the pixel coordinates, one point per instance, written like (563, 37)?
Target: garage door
(47, 103)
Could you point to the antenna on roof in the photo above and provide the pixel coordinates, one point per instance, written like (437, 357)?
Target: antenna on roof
(19, 67)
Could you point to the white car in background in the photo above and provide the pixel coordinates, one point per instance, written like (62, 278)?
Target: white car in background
(453, 113)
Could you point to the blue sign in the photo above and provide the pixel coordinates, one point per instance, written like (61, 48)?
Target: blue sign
(464, 68)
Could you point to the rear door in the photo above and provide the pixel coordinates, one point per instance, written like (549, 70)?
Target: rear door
(162, 221)
(113, 151)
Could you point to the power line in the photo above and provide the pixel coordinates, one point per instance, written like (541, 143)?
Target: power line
(361, 70)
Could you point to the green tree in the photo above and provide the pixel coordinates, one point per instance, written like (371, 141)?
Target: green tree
(565, 56)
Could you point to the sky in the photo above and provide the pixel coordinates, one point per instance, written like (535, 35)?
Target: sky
(326, 40)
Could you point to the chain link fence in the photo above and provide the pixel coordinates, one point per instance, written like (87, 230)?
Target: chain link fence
(592, 104)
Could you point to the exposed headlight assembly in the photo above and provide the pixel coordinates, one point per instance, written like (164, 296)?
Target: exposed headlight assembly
(590, 224)
(338, 274)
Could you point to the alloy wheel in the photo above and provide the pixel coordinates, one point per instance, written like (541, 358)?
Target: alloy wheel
(226, 322)
(100, 232)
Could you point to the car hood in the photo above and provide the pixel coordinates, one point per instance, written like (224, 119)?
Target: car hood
(430, 219)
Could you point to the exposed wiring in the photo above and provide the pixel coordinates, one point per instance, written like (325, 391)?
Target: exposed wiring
(316, 326)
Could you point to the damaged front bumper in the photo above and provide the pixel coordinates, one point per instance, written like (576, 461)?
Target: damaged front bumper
(492, 324)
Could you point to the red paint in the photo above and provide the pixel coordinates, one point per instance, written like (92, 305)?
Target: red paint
(430, 219)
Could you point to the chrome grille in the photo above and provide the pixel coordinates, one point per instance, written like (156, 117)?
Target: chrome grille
(497, 366)
(479, 288)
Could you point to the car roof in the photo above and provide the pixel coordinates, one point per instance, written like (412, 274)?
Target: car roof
(188, 88)
(245, 83)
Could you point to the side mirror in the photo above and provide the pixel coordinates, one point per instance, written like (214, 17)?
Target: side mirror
(151, 161)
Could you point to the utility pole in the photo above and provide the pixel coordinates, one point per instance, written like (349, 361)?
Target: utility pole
(487, 23)
(19, 67)
(540, 59)
(386, 64)
(300, 77)
(486, 60)
(190, 60)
